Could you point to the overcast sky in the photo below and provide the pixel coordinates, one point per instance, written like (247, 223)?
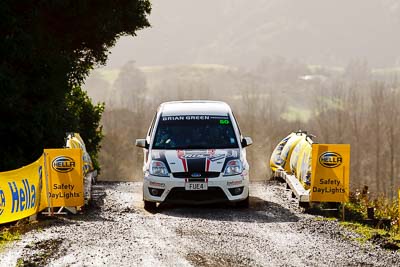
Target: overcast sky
(241, 32)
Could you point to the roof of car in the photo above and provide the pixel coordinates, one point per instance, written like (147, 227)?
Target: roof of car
(194, 107)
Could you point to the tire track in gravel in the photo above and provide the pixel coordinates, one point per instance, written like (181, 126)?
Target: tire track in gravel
(272, 232)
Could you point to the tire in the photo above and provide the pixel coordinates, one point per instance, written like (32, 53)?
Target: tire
(150, 206)
(243, 204)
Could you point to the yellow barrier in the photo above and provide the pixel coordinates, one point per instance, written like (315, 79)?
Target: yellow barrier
(288, 149)
(322, 169)
(303, 167)
(54, 180)
(74, 140)
(20, 192)
(276, 161)
(297, 152)
(65, 178)
(330, 173)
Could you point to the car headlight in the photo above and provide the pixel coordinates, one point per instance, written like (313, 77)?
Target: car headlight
(233, 167)
(158, 168)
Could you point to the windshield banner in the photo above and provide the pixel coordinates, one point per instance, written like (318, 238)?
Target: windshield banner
(193, 118)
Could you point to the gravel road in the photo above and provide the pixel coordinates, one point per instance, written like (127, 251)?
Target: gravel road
(117, 231)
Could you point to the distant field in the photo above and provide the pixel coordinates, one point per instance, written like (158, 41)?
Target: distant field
(215, 77)
(297, 114)
(388, 71)
(111, 75)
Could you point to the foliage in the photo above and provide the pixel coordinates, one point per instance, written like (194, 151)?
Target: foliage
(388, 239)
(84, 117)
(360, 200)
(383, 230)
(356, 208)
(7, 235)
(47, 48)
(387, 236)
(365, 232)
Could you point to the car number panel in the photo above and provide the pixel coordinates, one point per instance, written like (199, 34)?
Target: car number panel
(193, 186)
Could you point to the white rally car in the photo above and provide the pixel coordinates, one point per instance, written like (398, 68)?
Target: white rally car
(194, 153)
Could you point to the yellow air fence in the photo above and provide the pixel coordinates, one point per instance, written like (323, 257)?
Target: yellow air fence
(20, 192)
(280, 158)
(315, 172)
(54, 180)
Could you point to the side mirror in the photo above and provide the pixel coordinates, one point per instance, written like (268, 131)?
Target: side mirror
(142, 143)
(247, 141)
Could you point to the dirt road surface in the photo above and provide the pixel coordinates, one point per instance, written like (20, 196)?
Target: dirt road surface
(119, 232)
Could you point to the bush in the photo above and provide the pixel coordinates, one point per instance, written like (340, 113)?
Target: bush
(83, 117)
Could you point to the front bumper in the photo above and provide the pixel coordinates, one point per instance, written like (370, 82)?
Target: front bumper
(220, 189)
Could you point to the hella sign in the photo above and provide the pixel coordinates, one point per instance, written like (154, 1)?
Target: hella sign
(63, 164)
(2, 201)
(330, 159)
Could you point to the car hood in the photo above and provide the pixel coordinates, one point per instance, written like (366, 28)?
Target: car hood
(195, 161)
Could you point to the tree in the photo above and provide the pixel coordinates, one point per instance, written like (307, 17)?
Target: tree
(98, 88)
(377, 98)
(130, 88)
(47, 48)
(84, 117)
(391, 129)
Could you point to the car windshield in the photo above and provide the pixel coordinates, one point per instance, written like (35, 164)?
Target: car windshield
(195, 132)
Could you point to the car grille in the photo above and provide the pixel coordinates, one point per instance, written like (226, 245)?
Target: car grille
(180, 195)
(202, 174)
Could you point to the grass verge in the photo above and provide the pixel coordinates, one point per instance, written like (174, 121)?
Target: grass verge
(7, 235)
(373, 219)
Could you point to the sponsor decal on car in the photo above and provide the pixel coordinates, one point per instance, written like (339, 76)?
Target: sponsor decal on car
(187, 118)
(212, 157)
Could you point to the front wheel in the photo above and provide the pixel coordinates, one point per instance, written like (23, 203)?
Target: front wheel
(149, 206)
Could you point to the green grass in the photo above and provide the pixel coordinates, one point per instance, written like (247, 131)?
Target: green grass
(366, 232)
(20, 263)
(385, 209)
(325, 219)
(316, 68)
(385, 237)
(7, 236)
(386, 71)
(110, 75)
(383, 230)
(296, 114)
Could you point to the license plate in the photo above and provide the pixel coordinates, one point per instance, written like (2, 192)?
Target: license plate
(196, 186)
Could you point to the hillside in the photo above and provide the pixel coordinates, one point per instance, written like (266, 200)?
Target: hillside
(240, 33)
